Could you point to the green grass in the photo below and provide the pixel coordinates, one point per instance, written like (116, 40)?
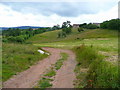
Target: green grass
(103, 74)
(59, 63)
(99, 38)
(85, 55)
(17, 58)
(50, 73)
(44, 83)
(88, 57)
(49, 37)
(100, 74)
(111, 43)
(46, 79)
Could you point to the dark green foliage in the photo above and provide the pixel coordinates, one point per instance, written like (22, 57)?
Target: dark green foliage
(80, 29)
(84, 24)
(20, 35)
(89, 26)
(66, 29)
(113, 24)
(55, 27)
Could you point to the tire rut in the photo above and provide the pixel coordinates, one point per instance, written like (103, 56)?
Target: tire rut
(63, 79)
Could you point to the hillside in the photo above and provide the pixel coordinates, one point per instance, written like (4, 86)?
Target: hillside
(97, 37)
(96, 53)
(75, 35)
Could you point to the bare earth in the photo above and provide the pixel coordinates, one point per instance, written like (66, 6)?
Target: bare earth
(63, 79)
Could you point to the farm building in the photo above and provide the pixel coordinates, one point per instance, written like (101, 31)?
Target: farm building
(76, 25)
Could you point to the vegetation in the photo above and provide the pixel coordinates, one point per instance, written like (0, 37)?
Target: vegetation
(18, 57)
(101, 74)
(49, 37)
(55, 27)
(113, 24)
(88, 26)
(80, 29)
(66, 29)
(46, 79)
(89, 70)
(51, 73)
(20, 35)
(44, 83)
(92, 69)
(59, 63)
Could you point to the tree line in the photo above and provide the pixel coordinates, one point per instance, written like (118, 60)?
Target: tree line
(88, 26)
(20, 35)
(113, 24)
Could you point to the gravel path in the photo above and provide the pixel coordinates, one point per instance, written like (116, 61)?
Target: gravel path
(63, 79)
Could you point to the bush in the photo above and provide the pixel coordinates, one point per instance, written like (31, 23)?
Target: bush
(80, 29)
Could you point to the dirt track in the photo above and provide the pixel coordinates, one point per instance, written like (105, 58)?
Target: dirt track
(63, 79)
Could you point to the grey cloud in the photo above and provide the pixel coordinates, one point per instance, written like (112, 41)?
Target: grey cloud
(66, 9)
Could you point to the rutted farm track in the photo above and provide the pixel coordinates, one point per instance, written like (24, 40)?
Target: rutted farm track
(63, 78)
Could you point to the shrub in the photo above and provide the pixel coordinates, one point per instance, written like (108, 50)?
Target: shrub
(80, 29)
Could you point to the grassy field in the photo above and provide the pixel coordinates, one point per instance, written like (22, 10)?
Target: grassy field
(98, 38)
(18, 57)
(49, 37)
(91, 61)
(94, 68)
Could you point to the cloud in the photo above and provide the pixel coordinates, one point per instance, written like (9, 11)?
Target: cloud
(65, 9)
(11, 17)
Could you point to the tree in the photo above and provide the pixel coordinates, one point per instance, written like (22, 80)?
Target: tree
(113, 24)
(56, 27)
(82, 25)
(66, 27)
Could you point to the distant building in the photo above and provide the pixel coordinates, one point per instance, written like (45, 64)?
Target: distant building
(98, 24)
(76, 25)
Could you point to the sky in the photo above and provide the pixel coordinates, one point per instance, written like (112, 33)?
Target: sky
(46, 13)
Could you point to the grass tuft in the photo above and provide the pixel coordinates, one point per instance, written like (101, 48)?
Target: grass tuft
(100, 73)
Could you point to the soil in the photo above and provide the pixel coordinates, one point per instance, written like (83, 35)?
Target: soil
(63, 79)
